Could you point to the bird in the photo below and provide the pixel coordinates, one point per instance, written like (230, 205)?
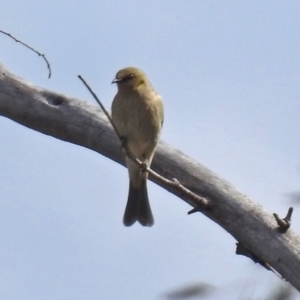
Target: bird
(138, 114)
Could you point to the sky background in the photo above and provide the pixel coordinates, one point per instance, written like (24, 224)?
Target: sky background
(229, 74)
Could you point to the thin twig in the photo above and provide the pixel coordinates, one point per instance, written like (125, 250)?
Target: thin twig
(285, 223)
(102, 107)
(32, 49)
(202, 202)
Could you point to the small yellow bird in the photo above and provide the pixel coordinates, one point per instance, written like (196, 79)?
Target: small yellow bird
(137, 112)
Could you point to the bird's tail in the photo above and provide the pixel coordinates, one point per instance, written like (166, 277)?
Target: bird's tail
(138, 207)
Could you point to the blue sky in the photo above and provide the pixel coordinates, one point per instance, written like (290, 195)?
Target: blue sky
(229, 75)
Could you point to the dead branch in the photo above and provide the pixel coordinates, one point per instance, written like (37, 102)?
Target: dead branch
(84, 124)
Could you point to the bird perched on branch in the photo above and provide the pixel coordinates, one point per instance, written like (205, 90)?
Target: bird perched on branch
(137, 112)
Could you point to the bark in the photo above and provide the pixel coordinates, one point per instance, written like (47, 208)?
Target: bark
(82, 123)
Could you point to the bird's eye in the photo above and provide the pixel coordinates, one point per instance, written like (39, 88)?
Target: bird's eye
(128, 77)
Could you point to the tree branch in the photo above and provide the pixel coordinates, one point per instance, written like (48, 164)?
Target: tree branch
(82, 123)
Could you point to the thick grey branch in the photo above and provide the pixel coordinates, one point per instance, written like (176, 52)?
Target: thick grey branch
(81, 123)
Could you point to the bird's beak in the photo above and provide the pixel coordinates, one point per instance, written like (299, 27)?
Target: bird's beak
(116, 80)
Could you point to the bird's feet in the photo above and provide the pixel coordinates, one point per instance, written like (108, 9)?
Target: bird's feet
(144, 166)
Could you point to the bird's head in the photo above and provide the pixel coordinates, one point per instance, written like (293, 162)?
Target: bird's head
(130, 78)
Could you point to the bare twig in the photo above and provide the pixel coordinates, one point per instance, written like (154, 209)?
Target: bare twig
(202, 202)
(32, 49)
(285, 223)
